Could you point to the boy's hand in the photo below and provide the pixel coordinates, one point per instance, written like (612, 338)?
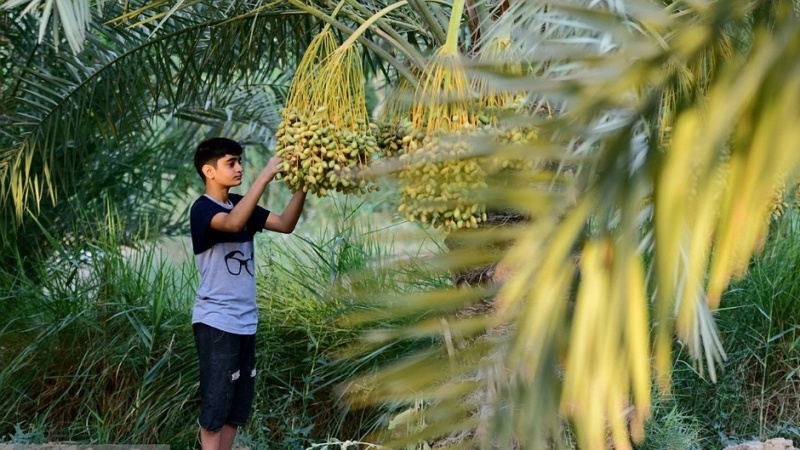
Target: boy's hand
(271, 169)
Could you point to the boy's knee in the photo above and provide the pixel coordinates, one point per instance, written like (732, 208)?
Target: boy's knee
(209, 425)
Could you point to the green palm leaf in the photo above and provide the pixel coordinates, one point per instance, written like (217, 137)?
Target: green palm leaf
(570, 340)
(63, 102)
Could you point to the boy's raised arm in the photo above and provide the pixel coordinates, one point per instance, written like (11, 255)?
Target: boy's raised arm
(287, 220)
(235, 220)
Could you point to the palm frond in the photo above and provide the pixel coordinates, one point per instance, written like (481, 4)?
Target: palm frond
(624, 240)
(63, 102)
(73, 18)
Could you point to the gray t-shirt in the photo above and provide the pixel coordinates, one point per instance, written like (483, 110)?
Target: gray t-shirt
(226, 296)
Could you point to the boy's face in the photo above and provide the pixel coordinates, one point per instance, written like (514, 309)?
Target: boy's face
(227, 172)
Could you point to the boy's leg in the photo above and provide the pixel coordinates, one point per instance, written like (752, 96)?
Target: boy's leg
(209, 440)
(219, 369)
(227, 435)
(244, 389)
(220, 440)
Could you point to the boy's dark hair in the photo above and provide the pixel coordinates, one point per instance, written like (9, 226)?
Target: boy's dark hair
(211, 150)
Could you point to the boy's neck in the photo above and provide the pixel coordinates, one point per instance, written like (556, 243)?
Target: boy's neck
(218, 193)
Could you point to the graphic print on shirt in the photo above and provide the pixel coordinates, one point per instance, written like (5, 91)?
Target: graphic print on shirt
(235, 261)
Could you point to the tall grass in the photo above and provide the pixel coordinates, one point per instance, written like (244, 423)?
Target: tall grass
(671, 428)
(97, 346)
(757, 395)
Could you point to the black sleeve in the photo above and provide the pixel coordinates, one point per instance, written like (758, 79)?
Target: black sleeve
(258, 219)
(203, 210)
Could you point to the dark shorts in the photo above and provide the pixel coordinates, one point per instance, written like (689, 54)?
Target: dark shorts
(227, 373)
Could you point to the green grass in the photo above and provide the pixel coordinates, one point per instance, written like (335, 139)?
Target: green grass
(98, 351)
(101, 350)
(671, 428)
(757, 395)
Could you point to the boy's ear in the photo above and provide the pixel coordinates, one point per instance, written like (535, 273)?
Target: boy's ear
(208, 171)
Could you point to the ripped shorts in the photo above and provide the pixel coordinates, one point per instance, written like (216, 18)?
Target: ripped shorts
(227, 376)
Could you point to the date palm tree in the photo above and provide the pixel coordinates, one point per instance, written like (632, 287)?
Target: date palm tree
(669, 125)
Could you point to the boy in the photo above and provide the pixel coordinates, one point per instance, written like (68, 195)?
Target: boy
(224, 317)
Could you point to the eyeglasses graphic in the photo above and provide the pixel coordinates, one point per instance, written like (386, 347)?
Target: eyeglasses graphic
(234, 262)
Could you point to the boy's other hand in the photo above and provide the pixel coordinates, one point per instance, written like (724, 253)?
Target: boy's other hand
(271, 169)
